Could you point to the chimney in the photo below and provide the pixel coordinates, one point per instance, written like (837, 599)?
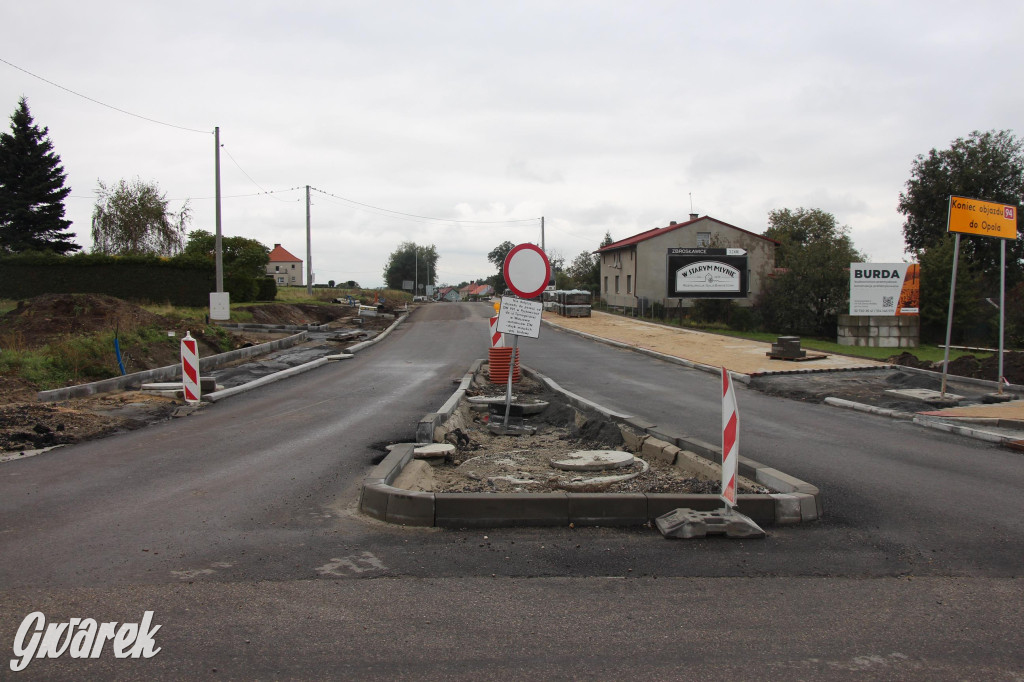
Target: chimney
(694, 216)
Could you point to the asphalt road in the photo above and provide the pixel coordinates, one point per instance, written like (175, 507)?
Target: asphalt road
(237, 527)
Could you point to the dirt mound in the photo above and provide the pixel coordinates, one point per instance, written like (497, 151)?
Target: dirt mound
(296, 313)
(971, 366)
(39, 320)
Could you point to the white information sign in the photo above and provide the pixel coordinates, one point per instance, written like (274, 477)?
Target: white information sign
(883, 289)
(520, 317)
(220, 305)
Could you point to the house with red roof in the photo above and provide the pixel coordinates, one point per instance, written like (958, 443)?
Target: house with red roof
(683, 262)
(475, 291)
(285, 268)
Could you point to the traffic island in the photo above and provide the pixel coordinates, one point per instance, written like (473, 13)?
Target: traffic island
(493, 481)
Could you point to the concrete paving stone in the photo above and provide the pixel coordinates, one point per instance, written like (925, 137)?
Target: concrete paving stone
(671, 453)
(490, 510)
(410, 508)
(654, 449)
(373, 500)
(391, 466)
(788, 508)
(632, 438)
(600, 509)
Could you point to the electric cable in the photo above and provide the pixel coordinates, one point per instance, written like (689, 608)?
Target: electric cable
(104, 104)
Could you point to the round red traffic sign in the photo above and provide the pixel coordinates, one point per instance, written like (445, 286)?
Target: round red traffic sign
(526, 270)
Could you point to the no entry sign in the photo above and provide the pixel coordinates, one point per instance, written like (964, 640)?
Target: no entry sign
(526, 270)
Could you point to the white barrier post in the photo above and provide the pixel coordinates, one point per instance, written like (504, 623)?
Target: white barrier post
(496, 337)
(730, 440)
(190, 369)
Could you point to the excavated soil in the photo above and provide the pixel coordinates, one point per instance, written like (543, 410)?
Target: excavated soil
(26, 424)
(489, 463)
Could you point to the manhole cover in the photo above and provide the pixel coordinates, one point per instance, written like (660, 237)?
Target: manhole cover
(593, 460)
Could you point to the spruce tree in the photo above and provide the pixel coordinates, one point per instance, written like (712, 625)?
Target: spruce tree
(32, 190)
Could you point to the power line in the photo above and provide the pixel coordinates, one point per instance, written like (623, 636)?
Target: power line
(265, 191)
(420, 217)
(103, 104)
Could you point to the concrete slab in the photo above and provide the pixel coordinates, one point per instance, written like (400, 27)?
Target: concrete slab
(928, 396)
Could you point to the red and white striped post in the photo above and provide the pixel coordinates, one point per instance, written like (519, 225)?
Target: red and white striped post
(497, 338)
(190, 369)
(730, 440)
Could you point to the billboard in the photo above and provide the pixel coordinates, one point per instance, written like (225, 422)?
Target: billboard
(707, 273)
(885, 288)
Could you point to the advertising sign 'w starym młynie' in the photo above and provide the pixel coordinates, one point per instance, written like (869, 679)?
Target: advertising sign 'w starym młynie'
(885, 288)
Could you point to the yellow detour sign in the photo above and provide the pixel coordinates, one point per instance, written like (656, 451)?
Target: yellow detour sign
(973, 216)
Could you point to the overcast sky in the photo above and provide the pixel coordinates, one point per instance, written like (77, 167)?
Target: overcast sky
(599, 116)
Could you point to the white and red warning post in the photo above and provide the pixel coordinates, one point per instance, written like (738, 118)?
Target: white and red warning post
(730, 440)
(190, 369)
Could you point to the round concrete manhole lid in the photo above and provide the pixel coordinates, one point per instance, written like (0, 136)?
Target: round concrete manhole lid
(433, 450)
(593, 460)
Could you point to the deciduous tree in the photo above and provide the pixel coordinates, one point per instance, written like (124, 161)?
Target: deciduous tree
(988, 166)
(134, 219)
(814, 288)
(411, 262)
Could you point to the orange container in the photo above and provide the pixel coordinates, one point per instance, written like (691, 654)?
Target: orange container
(498, 360)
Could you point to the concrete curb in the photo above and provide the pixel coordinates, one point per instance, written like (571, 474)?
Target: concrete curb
(861, 407)
(938, 423)
(263, 381)
(298, 369)
(208, 363)
(271, 328)
(955, 377)
(169, 372)
(796, 501)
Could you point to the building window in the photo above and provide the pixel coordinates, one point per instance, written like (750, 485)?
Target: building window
(616, 287)
(605, 285)
(629, 284)
(704, 239)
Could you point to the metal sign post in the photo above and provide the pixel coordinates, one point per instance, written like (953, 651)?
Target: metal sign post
(526, 271)
(987, 219)
(511, 368)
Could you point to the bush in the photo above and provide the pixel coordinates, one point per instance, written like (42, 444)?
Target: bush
(266, 289)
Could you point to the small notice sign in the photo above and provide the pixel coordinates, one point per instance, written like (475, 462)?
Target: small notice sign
(220, 305)
(520, 317)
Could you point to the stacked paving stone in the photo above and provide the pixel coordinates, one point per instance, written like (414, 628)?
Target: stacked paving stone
(787, 348)
(572, 303)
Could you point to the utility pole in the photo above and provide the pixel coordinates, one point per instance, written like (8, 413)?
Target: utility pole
(309, 252)
(218, 248)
